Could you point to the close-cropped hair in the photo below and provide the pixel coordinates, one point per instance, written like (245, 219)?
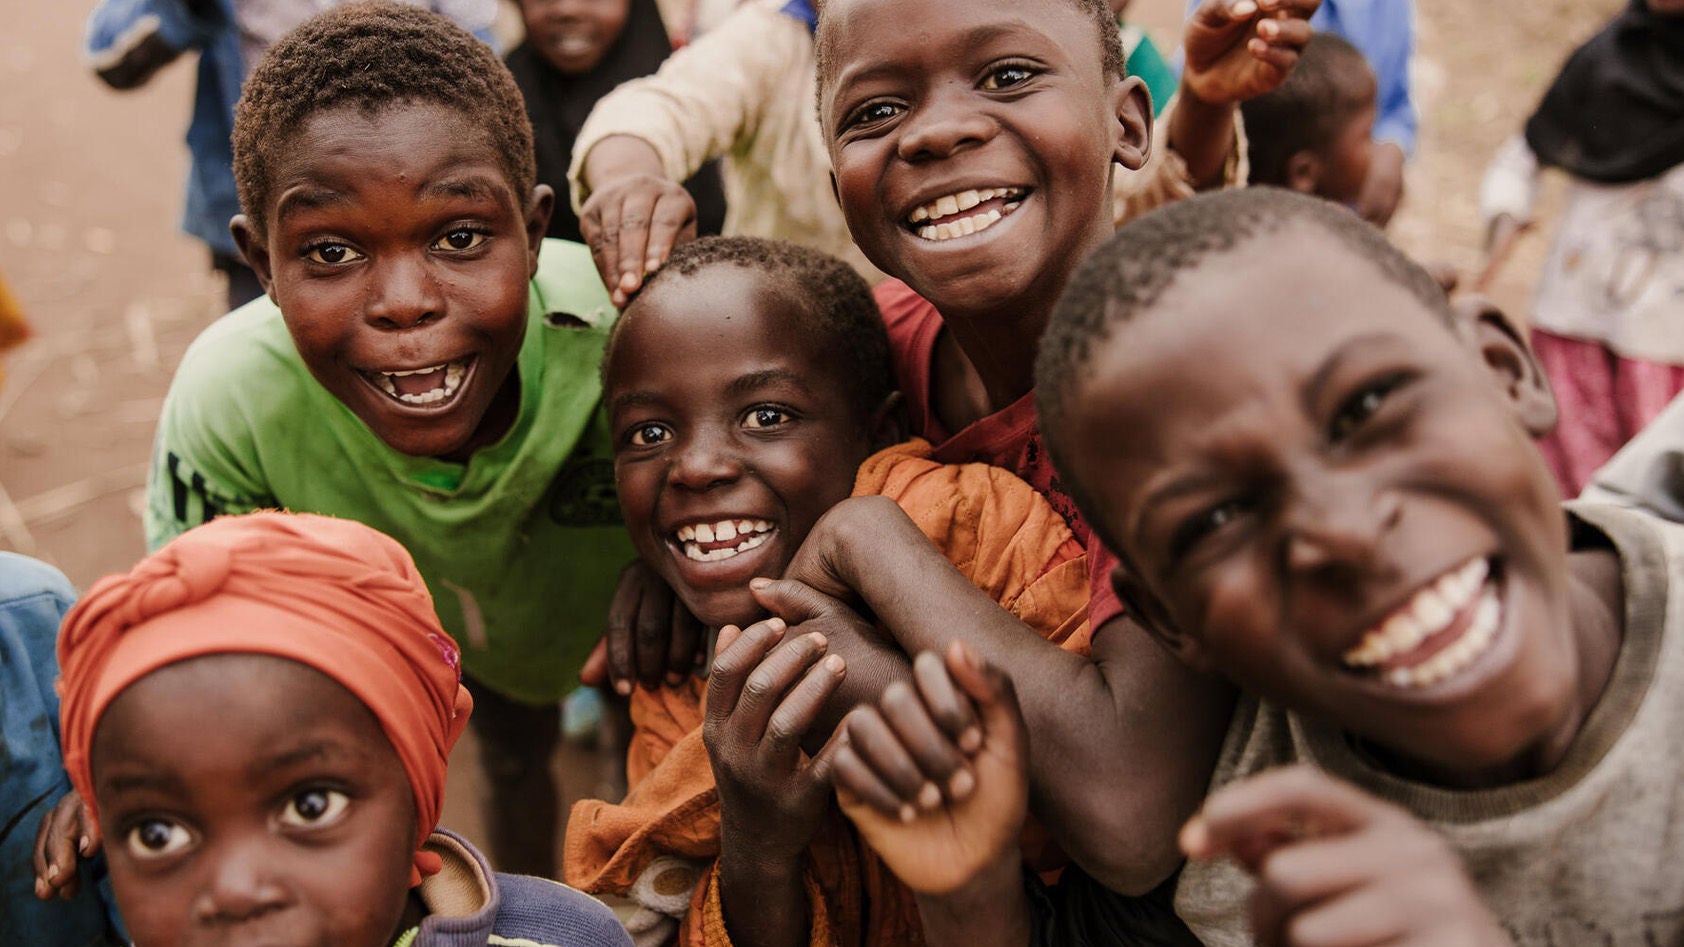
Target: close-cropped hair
(1308, 111)
(833, 301)
(1128, 275)
(372, 56)
(1112, 56)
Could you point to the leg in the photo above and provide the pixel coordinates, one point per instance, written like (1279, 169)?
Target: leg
(522, 799)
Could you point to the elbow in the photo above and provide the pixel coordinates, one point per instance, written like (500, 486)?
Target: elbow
(1126, 861)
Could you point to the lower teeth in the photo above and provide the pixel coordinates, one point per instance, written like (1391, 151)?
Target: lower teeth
(697, 554)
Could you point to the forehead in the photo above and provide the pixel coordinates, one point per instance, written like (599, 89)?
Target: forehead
(864, 38)
(411, 143)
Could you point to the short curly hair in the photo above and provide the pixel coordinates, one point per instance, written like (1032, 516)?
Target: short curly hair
(1111, 54)
(1331, 84)
(838, 305)
(1127, 276)
(372, 56)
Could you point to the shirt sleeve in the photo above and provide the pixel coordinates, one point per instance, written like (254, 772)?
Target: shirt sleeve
(1388, 40)
(1510, 185)
(706, 100)
(1647, 473)
(128, 41)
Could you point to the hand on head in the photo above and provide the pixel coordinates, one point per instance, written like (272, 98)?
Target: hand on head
(1241, 49)
(1336, 865)
(936, 778)
(635, 214)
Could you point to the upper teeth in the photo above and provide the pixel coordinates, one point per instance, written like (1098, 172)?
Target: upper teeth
(752, 532)
(453, 372)
(943, 207)
(1429, 612)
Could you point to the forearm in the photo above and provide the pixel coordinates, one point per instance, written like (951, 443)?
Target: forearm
(992, 911)
(619, 156)
(1202, 133)
(762, 896)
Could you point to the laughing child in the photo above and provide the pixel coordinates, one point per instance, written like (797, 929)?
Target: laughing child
(418, 366)
(303, 655)
(749, 390)
(1339, 506)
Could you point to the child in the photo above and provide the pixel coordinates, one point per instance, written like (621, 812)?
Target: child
(410, 373)
(1315, 134)
(1338, 505)
(303, 655)
(1605, 319)
(574, 54)
(749, 390)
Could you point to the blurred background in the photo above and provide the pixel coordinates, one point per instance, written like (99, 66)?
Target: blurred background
(91, 188)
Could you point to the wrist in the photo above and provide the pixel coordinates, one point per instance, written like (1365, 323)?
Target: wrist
(752, 852)
(619, 156)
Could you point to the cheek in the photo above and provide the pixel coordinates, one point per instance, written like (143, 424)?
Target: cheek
(155, 910)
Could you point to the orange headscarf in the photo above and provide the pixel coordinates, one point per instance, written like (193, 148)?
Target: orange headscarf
(331, 594)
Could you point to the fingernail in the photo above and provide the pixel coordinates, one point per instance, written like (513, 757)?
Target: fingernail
(961, 785)
(819, 640)
(652, 264)
(674, 678)
(759, 583)
(52, 872)
(835, 663)
(907, 813)
(776, 624)
(929, 796)
(40, 888)
(1244, 8)
(971, 740)
(1195, 837)
(84, 845)
(1269, 28)
(623, 688)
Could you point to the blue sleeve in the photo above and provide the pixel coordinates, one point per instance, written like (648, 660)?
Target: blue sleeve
(116, 25)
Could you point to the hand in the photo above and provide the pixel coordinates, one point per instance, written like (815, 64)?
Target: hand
(1240, 49)
(650, 634)
(825, 561)
(1335, 865)
(635, 214)
(763, 696)
(1382, 190)
(937, 780)
(67, 833)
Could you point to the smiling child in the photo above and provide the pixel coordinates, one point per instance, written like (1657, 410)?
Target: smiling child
(303, 655)
(1338, 505)
(749, 389)
(418, 366)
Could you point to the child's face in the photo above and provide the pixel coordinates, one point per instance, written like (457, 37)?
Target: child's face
(1346, 162)
(399, 253)
(250, 799)
(573, 35)
(734, 432)
(972, 141)
(1328, 496)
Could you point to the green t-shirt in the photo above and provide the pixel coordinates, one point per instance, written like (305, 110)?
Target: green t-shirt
(521, 546)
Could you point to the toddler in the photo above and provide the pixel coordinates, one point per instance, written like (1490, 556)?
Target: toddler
(1315, 133)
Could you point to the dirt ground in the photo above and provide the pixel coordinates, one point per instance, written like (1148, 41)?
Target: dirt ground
(90, 193)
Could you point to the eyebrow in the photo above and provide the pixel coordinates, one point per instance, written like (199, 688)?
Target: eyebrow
(634, 399)
(308, 198)
(473, 187)
(754, 381)
(974, 38)
(310, 752)
(142, 781)
(1310, 394)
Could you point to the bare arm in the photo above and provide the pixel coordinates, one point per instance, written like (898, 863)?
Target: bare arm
(1121, 746)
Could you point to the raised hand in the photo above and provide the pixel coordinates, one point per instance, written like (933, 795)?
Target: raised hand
(1335, 865)
(635, 214)
(936, 778)
(1240, 49)
(67, 834)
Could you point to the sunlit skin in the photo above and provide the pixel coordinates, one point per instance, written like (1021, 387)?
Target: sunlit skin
(395, 241)
(726, 404)
(1287, 446)
(951, 95)
(286, 819)
(573, 35)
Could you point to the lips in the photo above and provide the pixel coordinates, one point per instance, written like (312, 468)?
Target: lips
(430, 386)
(1435, 635)
(718, 540)
(963, 213)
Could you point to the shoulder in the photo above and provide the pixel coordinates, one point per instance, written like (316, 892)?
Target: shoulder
(23, 578)
(245, 349)
(534, 911)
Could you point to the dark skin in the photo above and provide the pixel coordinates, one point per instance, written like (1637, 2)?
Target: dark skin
(292, 826)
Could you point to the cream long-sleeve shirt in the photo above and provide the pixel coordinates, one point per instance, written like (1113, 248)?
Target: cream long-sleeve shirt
(745, 92)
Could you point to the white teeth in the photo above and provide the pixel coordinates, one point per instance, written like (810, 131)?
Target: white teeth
(1482, 628)
(696, 553)
(751, 532)
(964, 226)
(704, 533)
(414, 371)
(725, 530)
(1429, 612)
(969, 199)
(963, 201)
(453, 375)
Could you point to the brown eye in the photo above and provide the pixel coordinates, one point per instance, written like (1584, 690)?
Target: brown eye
(648, 435)
(155, 838)
(460, 239)
(765, 417)
(314, 807)
(331, 254)
(1007, 77)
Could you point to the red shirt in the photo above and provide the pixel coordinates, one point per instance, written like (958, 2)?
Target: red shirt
(1009, 438)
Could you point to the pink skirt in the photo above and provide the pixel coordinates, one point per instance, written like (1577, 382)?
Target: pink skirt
(1605, 399)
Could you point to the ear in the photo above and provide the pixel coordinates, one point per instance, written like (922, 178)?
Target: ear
(1149, 612)
(889, 424)
(1513, 366)
(255, 251)
(1303, 172)
(538, 211)
(1132, 108)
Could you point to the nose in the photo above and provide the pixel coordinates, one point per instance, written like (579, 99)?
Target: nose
(945, 125)
(1337, 524)
(242, 885)
(403, 294)
(704, 460)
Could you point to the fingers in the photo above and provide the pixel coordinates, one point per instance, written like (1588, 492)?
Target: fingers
(732, 663)
(595, 671)
(621, 635)
(672, 222)
(599, 226)
(950, 708)
(631, 234)
(684, 643)
(65, 832)
(856, 776)
(794, 602)
(652, 633)
(800, 708)
(768, 685)
(1285, 33)
(1251, 819)
(935, 754)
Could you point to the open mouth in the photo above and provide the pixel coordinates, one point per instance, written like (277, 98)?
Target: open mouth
(964, 213)
(722, 539)
(1438, 633)
(431, 387)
